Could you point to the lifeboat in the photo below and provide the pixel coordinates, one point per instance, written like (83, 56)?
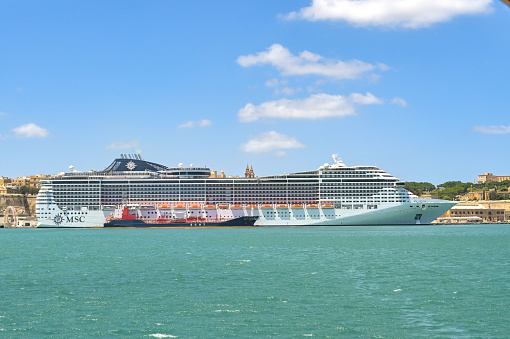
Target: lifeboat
(209, 206)
(179, 206)
(163, 206)
(327, 205)
(297, 205)
(282, 206)
(311, 205)
(267, 206)
(223, 206)
(251, 206)
(194, 206)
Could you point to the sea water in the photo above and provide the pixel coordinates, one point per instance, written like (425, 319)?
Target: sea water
(324, 282)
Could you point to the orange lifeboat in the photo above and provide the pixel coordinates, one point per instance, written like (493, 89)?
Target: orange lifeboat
(311, 205)
(209, 206)
(327, 205)
(251, 206)
(297, 205)
(194, 206)
(179, 206)
(267, 206)
(282, 206)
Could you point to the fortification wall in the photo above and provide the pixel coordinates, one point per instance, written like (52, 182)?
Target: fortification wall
(24, 205)
(503, 204)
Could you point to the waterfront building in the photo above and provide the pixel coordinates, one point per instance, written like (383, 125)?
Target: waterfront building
(474, 212)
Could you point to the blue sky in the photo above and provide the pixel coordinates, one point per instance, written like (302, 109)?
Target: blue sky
(419, 88)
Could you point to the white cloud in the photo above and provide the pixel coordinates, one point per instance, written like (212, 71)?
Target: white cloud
(271, 141)
(399, 101)
(204, 123)
(188, 124)
(273, 83)
(492, 129)
(308, 63)
(123, 145)
(316, 106)
(30, 130)
(391, 13)
(280, 86)
(200, 123)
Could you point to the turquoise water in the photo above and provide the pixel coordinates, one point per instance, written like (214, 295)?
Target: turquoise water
(325, 282)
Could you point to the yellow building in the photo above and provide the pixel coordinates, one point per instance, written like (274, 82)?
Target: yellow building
(473, 212)
(21, 181)
(8, 190)
(4, 181)
(35, 180)
(489, 177)
(31, 181)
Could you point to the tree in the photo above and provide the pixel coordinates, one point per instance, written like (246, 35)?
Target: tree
(493, 195)
(451, 189)
(28, 190)
(419, 187)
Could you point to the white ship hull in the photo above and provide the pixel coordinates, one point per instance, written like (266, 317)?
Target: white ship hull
(411, 213)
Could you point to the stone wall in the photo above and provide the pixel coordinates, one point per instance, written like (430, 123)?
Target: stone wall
(502, 204)
(24, 205)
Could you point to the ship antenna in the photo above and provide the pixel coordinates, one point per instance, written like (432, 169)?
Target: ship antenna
(337, 160)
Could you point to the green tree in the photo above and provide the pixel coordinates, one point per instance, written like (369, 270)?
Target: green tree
(419, 187)
(28, 190)
(451, 189)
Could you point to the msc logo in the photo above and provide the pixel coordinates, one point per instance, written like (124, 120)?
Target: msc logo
(59, 218)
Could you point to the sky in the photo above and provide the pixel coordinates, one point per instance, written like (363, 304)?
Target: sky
(416, 87)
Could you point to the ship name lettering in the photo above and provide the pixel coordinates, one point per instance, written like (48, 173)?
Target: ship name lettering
(75, 219)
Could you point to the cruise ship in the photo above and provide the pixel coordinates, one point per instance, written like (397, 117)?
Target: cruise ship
(134, 189)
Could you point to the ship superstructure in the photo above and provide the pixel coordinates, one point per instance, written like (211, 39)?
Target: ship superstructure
(333, 194)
